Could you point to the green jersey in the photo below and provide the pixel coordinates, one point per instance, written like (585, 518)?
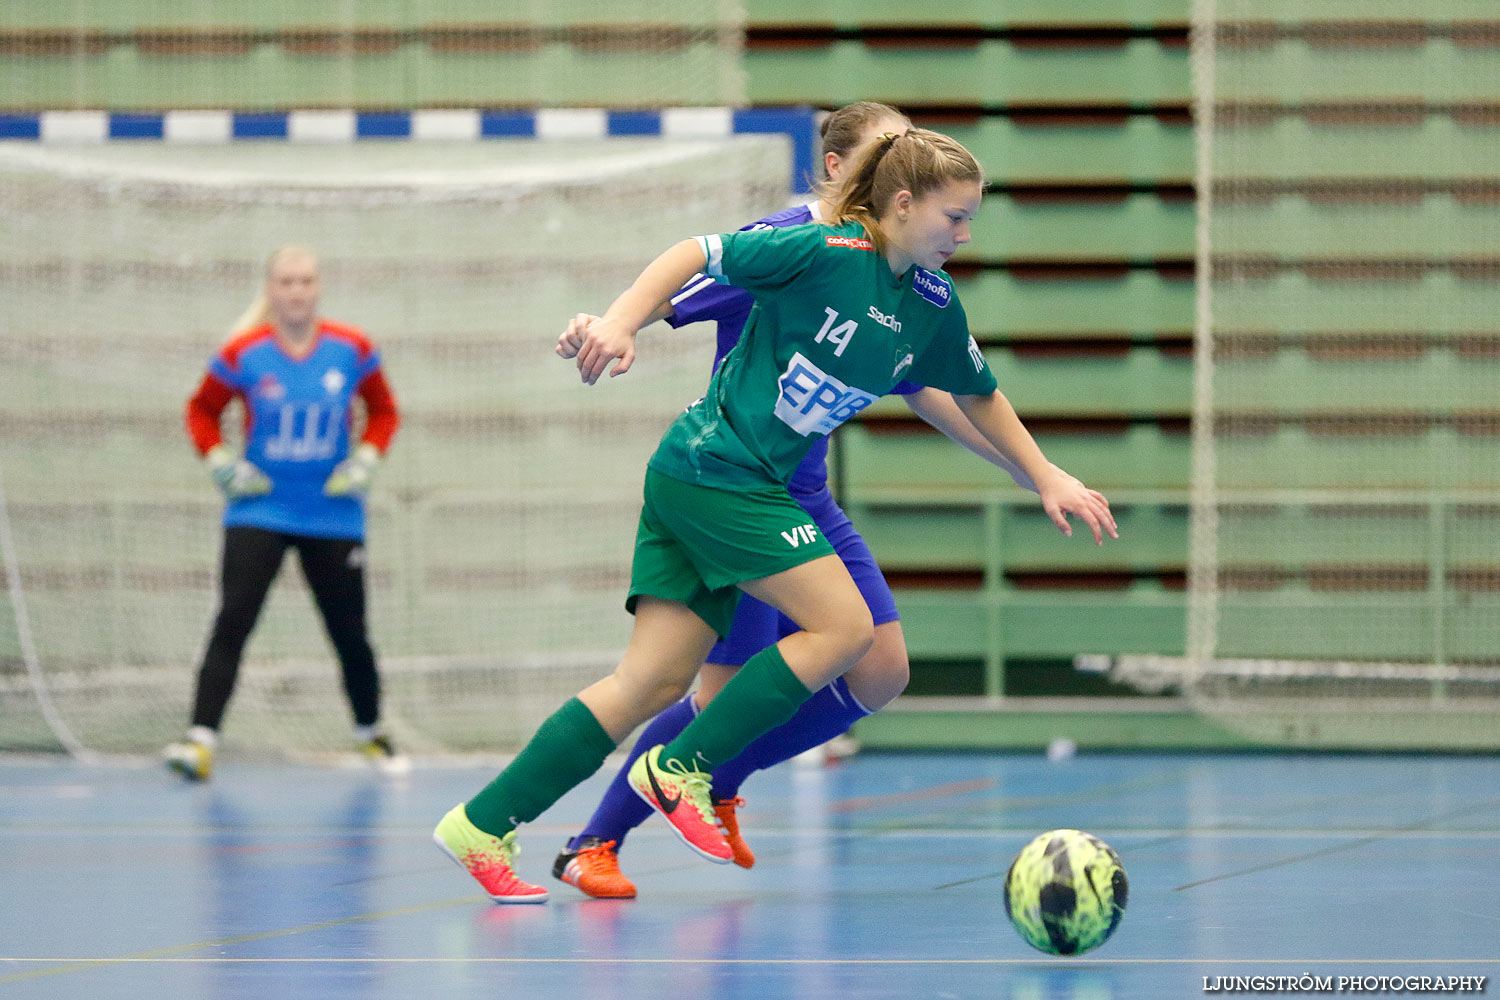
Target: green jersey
(832, 331)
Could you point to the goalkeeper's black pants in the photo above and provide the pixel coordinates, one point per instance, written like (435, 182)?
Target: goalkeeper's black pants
(335, 572)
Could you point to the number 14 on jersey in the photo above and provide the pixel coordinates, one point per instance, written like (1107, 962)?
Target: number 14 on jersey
(839, 335)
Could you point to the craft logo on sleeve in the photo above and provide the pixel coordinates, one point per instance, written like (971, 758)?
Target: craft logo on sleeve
(975, 354)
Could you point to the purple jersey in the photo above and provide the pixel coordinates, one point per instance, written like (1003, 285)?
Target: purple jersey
(703, 299)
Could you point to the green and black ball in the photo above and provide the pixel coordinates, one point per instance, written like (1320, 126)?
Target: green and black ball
(1066, 892)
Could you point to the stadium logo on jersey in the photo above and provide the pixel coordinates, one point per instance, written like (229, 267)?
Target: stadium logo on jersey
(333, 381)
(814, 402)
(852, 242)
(269, 388)
(975, 354)
(932, 287)
(904, 363)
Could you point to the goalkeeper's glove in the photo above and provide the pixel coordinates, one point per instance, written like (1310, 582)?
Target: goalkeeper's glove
(234, 476)
(352, 476)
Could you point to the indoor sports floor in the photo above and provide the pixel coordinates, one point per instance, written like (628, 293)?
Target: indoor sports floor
(878, 877)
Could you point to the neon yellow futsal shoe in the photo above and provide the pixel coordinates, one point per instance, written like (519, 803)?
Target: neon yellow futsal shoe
(491, 860)
(681, 795)
(191, 759)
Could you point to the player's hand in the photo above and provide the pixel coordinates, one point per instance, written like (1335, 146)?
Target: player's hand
(571, 341)
(234, 476)
(1063, 495)
(605, 340)
(1093, 493)
(352, 476)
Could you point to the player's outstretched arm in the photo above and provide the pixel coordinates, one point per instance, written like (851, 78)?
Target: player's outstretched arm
(611, 337)
(937, 408)
(1061, 494)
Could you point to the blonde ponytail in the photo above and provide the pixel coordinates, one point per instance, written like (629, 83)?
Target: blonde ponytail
(258, 312)
(918, 161)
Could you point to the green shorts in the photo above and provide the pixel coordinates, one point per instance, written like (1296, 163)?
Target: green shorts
(695, 543)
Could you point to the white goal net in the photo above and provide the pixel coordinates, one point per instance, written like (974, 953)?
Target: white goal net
(1345, 550)
(500, 527)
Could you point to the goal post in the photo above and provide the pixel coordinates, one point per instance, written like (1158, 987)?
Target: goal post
(501, 525)
(1344, 574)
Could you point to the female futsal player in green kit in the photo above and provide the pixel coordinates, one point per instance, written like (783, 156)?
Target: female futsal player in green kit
(843, 312)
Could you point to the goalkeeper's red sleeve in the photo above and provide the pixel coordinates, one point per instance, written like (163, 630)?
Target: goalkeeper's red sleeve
(204, 408)
(381, 415)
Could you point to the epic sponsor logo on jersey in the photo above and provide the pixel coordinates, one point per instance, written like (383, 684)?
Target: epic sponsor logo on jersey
(852, 242)
(814, 402)
(885, 320)
(932, 287)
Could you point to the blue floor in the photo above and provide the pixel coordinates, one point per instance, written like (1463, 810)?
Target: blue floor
(879, 877)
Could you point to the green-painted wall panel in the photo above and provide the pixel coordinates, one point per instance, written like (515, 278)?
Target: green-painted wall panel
(992, 72)
(1142, 301)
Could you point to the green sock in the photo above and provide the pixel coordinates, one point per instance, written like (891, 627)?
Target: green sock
(566, 749)
(764, 694)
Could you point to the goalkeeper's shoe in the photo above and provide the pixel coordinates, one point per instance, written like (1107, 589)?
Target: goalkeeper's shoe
(191, 759)
(491, 860)
(594, 867)
(681, 795)
(730, 824)
(380, 751)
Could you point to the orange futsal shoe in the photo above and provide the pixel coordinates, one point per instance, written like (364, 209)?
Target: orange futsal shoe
(595, 869)
(680, 794)
(743, 856)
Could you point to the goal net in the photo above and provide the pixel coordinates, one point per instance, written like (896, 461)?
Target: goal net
(1345, 541)
(501, 525)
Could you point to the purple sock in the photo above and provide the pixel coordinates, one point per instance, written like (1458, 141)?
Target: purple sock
(829, 712)
(621, 810)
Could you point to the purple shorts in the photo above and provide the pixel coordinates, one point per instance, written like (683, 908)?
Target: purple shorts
(758, 625)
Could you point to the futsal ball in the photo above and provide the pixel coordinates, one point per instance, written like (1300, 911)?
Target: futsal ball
(1066, 892)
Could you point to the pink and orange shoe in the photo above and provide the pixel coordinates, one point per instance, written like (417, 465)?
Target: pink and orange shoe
(681, 795)
(595, 869)
(491, 860)
(724, 810)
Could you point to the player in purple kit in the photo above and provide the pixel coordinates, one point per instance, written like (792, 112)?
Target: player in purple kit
(300, 484)
(590, 860)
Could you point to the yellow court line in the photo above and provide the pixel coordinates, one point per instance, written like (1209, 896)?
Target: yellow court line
(492, 960)
(159, 954)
